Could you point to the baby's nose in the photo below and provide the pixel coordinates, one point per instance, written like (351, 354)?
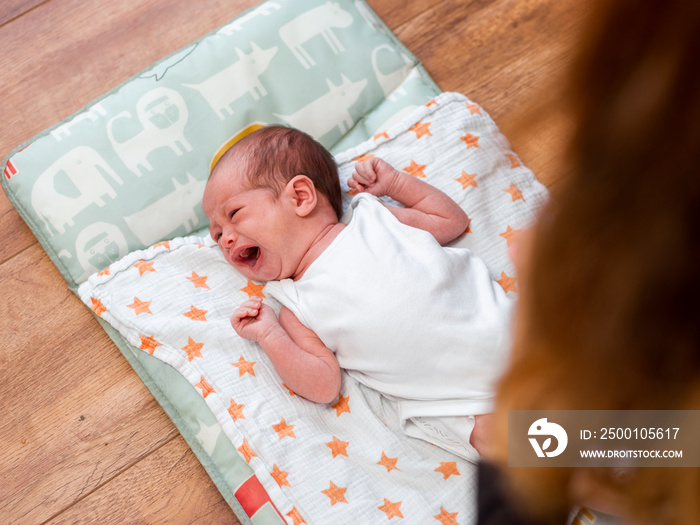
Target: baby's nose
(228, 239)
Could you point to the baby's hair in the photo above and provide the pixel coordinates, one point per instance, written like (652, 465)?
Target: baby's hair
(273, 155)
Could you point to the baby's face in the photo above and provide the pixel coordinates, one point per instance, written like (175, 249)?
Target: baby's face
(250, 226)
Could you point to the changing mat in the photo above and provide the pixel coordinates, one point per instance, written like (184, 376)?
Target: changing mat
(347, 462)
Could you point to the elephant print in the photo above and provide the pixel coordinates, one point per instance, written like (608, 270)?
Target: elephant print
(81, 172)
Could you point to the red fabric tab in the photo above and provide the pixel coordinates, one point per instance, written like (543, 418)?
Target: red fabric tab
(251, 495)
(10, 170)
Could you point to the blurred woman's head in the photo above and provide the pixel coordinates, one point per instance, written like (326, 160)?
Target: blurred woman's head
(609, 316)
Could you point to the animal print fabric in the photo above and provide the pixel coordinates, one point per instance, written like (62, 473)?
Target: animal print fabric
(129, 169)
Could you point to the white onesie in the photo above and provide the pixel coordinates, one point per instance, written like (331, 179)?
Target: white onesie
(423, 324)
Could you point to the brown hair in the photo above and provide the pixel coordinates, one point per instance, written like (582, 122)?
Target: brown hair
(273, 155)
(609, 316)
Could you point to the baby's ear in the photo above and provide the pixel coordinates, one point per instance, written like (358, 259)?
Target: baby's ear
(302, 191)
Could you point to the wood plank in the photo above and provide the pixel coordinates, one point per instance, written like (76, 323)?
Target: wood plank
(169, 486)
(16, 235)
(506, 55)
(11, 9)
(397, 12)
(74, 412)
(62, 55)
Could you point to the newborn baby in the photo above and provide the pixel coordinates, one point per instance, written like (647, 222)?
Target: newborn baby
(376, 295)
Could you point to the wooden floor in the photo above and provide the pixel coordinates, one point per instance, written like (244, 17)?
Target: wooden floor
(81, 439)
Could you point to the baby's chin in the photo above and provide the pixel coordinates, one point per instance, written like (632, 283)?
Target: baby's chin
(249, 273)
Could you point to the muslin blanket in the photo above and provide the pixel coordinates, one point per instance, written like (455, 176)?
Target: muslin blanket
(347, 462)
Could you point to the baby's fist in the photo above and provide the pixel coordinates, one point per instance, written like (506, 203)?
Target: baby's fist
(254, 320)
(374, 176)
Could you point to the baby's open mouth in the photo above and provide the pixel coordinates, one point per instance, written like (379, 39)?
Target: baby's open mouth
(248, 256)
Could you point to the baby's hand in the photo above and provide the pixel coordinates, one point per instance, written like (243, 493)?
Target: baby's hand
(254, 320)
(374, 176)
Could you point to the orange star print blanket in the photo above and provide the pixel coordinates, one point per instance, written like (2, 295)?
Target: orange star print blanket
(347, 462)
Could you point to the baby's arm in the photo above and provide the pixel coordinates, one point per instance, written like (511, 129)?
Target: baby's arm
(303, 362)
(426, 207)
